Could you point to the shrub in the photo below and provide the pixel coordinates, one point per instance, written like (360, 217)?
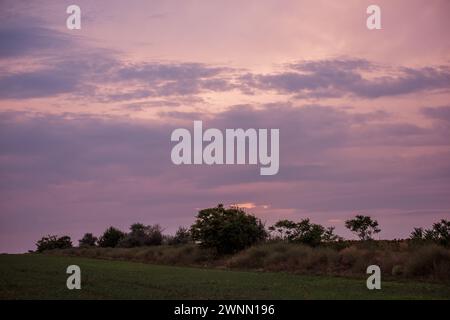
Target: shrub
(88, 240)
(429, 262)
(174, 255)
(397, 270)
(349, 256)
(251, 258)
(111, 237)
(286, 257)
(227, 230)
(53, 242)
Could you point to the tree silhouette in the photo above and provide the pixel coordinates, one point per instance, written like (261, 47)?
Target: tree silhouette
(363, 226)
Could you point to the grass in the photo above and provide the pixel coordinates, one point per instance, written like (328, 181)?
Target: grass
(398, 260)
(34, 276)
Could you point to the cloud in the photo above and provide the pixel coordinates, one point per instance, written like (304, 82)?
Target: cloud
(42, 83)
(72, 170)
(155, 72)
(25, 40)
(437, 113)
(24, 34)
(62, 73)
(318, 143)
(55, 149)
(71, 66)
(333, 78)
(157, 79)
(67, 64)
(101, 76)
(39, 61)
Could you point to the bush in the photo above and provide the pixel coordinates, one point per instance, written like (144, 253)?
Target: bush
(289, 257)
(186, 255)
(429, 262)
(53, 242)
(88, 240)
(227, 230)
(397, 270)
(111, 237)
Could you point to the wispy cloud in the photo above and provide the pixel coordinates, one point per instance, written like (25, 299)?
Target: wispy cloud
(338, 78)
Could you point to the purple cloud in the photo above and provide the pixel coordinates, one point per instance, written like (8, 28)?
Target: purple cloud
(71, 173)
(332, 78)
(437, 113)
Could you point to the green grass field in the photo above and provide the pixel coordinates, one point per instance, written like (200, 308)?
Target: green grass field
(33, 276)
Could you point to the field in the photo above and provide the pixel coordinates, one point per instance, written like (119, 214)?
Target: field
(34, 276)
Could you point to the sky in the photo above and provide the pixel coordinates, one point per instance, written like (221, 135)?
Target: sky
(86, 115)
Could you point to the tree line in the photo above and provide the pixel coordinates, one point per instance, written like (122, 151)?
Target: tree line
(229, 230)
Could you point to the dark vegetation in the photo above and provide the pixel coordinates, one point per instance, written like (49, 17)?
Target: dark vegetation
(231, 238)
(439, 233)
(42, 276)
(227, 230)
(50, 242)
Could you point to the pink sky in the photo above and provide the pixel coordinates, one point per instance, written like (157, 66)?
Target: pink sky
(86, 115)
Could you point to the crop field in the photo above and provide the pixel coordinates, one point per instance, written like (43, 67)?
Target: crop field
(35, 276)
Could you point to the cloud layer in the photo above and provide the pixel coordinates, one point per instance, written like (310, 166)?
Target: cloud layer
(109, 171)
(86, 116)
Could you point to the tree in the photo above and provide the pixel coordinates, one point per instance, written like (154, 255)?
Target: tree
(439, 233)
(330, 236)
(88, 240)
(417, 234)
(142, 235)
(303, 232)
(110, 237)
(363, 226)
(227, 230)
(309, 233)
(182, 236)
(285, 229)
(51, 242)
